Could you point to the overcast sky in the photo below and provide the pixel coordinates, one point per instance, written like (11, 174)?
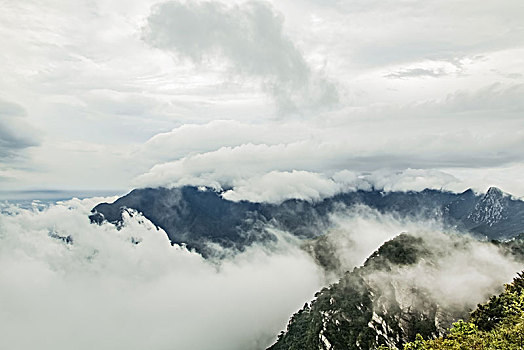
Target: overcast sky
(272, 99)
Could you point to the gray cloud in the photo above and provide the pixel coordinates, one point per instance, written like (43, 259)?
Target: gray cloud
(415, 146)
(206, 60)
(168, 295)
(484, 267)
(357, 231)
(15, 133)
(250, 36)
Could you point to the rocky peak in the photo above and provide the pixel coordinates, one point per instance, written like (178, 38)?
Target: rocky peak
(494, 192)
(490, 209)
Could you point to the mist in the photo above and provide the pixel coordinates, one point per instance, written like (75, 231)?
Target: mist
(457, 271)
(103, 291)
(66, 283)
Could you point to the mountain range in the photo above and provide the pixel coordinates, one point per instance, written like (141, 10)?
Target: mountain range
(371, 306)
(197, 217)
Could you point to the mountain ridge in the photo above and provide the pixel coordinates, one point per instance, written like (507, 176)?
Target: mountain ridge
(196, 217)
(388, 301)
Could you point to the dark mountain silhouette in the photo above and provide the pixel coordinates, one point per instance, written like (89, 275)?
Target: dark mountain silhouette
(196, 217)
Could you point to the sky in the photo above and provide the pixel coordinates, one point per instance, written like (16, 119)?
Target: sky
(267, 99)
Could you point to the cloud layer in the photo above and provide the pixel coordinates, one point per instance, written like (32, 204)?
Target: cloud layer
(184, 85)
(70, 283)
(460, 273)
(15, 133)
(104, 291)
(286, 159)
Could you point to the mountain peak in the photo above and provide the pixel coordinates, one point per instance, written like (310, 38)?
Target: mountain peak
(494, 192)
(491, 209)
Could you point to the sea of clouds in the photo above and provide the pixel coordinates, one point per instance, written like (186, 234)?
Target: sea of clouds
(103, 291)
(129, 288)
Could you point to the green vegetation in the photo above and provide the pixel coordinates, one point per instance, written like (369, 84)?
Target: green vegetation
(374, 306)
(321, 249)
(498, 324)
(357, 313)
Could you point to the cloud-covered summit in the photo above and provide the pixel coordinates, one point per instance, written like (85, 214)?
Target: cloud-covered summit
(404, 153)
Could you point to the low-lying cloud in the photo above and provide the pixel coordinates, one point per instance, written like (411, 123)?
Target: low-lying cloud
(457, 271)
(69, 283)
(101, 290)
(424, 141)
(459, 274)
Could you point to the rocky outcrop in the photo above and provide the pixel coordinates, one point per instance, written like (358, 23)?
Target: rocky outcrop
(372, 306)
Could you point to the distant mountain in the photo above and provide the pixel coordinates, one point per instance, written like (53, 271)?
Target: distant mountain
(196, 217)
(495, 215)
(368, 307)
(380, 303)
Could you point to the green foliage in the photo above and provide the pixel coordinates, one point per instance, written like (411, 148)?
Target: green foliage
(355, 314)
(302, 334)
(402, 250)
(502, 308)
(344, 314)
(321, 249)
(496, 325)
(340, 313)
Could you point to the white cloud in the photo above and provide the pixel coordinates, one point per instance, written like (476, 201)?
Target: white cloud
(377, 33)
(495, 98)
(98, 290)
(428, 69)
(114, 94)
(197, 138)
(98, 94)
(275, 187)
(413, 180)
(412, 150)
(483, 270)
(460, 272)
(105, 292)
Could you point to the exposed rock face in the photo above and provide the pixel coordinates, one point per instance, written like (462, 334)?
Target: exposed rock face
(196, 217)
(370, 306)
(491, 209)
(496, 212)
(388, 300)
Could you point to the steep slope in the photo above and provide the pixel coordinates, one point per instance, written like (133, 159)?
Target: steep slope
(497, 324)
(496, 215)
(362, 312)
(390, 299)
(189, 215)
